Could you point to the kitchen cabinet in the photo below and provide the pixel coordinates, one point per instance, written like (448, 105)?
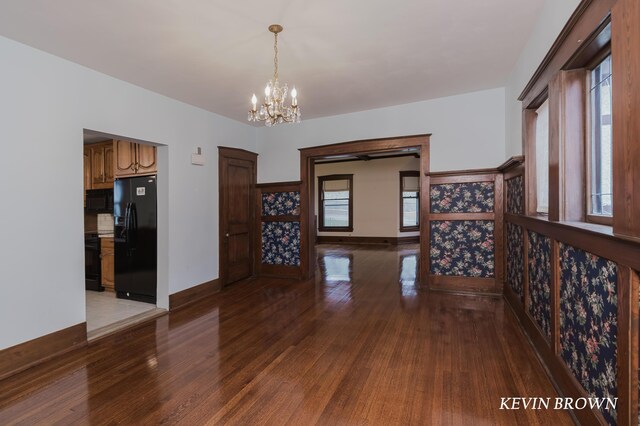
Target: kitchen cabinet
(134, 159)
(87, 172)
(107, 262)
(102, 165)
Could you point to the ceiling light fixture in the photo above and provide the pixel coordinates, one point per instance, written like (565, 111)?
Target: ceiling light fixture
(273, 110)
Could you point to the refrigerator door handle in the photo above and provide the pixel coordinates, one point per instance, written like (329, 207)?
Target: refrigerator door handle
(133, 218)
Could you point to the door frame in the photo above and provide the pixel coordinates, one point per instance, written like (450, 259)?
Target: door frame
(236, 154)
(308, 156)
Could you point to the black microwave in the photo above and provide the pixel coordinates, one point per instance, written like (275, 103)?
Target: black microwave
(99, 201)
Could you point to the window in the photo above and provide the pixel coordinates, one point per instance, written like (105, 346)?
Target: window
(600, 165)
(542, 158)
(409, 201)
(335, 204)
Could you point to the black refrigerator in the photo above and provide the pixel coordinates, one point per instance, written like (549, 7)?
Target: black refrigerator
(135, 238)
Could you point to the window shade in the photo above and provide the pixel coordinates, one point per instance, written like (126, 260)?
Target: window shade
(336, 185)
(411, 183)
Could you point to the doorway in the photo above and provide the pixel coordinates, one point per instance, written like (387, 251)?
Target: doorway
(120, 232)
(238, 222)
(364, 150)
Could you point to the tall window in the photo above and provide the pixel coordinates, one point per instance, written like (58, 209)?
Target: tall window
(542, 158)
(600, 164)
(335, 204)
(409, 201)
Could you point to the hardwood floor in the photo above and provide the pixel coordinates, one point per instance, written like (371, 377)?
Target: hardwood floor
(360, 344)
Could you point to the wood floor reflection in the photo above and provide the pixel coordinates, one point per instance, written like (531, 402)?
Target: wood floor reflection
(359, 344)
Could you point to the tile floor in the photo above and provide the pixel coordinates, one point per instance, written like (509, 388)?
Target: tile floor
(103, 309)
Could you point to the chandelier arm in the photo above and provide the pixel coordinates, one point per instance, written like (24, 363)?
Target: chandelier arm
(275, 58)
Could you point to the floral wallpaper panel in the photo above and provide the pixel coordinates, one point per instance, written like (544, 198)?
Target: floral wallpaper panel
(462, 248)
(475, 197)
(515, 195)
(539, 262)
(281, 243)
(515, 258)
(281, 203)
(589, 321)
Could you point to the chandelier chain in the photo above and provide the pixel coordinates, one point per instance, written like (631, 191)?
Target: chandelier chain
(275, 59)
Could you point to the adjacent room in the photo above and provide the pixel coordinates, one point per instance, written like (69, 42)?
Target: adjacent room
(424, 212)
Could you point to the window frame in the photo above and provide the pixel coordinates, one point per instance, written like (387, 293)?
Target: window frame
(321, 225)
(589, 216)
(529, 118)
(403, 174)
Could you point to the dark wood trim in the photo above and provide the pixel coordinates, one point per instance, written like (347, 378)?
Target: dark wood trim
(579, 29)
(457, 176)
(529, 117)
(369, 158)
(595, 239)
(458, 284)
(321, 226)
(403, 174)
(33, 352)
(279, 186)
(193, 294)
(628, 318)
(462, 216)
(307, 173)
(239, 154)
(364, 146)
(280, 271)
(625, 56)
(394, 241)
(280, 218)
(511, 163)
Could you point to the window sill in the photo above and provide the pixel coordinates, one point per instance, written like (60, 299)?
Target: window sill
(410, 229)
(325, 229)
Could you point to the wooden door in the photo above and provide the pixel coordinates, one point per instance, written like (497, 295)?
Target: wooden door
(146, 159)
(97, 166)
(237, 180)
(108, 163)
(125, 158)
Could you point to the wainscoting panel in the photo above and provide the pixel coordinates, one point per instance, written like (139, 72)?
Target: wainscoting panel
(539, 300)
(279, 248)
(466, 231)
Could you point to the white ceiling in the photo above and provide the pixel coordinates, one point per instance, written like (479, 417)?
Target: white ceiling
(342, 55)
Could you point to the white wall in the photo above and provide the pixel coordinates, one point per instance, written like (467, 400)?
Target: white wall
(376, 195)
(468, 133)
(553, 17)
(45, 104)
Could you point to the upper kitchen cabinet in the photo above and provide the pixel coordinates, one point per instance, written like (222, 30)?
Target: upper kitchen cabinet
(101, 165)
(134, 159)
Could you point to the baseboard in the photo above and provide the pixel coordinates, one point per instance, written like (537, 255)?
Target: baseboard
(25, 355)
(186, 297)
(393, 241)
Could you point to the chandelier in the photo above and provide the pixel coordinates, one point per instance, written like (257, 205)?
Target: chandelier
(273, 110)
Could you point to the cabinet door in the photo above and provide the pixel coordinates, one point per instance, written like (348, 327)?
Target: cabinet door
(125, 158)
(107, 255)
(87, 172)
(97, 166)
(108, 164)
(146, 159)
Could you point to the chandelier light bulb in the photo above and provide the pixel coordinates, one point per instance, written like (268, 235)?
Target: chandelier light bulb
(254, 101)
(267, 91)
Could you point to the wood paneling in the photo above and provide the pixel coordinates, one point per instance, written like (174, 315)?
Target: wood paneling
(581, 27)
(263, 269)
(628, 328)
(366, 351)
(194, 294)
(625, 54)
(473, 284)
(20, 357)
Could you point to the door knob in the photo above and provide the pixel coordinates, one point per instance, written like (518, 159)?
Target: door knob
(226, 235)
